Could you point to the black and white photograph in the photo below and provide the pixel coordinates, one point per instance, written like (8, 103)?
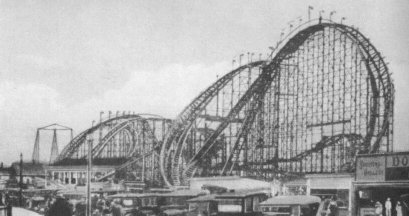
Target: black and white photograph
(204, 108)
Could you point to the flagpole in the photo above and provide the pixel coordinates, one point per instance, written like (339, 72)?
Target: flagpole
(89, 168)
(309, 12)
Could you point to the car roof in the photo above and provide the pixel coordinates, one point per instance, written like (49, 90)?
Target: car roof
(291, 200)
(133, 195)
(241, 193)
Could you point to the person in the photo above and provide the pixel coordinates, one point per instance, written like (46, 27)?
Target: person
(81, 208)
(7, 199)
(378, 208)
(398, 209)
(47, 206)
(100, 204)
(333, 207)
(94, 200)
(388, 207)
(9, 210)
(116, 208)
(60, 207)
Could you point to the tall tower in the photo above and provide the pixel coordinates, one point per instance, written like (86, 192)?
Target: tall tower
(54, 145)
(54, 148)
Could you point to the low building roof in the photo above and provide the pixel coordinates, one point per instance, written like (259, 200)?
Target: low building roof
(291, 200)
(205, 198)
(181, 193)
(6, 171)
(241, 193)
(178, 193)
(229, 182)
(296, 182)
(133, 195)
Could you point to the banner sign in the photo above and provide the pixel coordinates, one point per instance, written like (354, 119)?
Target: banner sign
(397, 167)
(370, 169)
(391, 167)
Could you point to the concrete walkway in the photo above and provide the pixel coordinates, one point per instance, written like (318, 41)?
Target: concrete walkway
(23, 212)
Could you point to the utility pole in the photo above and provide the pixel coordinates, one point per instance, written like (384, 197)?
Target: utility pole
(21, 180)
(89, 169)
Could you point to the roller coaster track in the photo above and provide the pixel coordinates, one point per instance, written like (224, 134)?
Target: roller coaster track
(380, 83)
(96, 151)
(74, 144)
(257, 90)
(325, 143)
(184, 121)
(128, 164)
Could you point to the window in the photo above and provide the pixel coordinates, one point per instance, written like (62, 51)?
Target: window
(256, 201)
(341, 196)
(249, 204)
(127, 202)
(145, 201)
(193, 206)
(230, 205)
(152, 201)
(230, 201)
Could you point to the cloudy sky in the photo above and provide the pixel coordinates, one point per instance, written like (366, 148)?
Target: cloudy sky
(64, 61)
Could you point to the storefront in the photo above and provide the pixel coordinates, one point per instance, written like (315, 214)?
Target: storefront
(73, 175)
(379, 178)
(326, 186)
(332, 186)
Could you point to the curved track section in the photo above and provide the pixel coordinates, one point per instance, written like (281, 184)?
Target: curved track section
(128, 141)
(324, 97)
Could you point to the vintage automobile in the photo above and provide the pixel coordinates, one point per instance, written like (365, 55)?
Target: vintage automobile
(175, 203)
(129, 203)
(291, 205)
(168, 204)
(240, 202)
(203, 205)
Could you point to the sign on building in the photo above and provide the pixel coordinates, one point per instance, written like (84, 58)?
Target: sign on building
(379, 168)
(397, 167)
(370, 169)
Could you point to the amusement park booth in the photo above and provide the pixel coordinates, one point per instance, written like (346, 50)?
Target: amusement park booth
(379, 177)
(325, 186)
(333, 185)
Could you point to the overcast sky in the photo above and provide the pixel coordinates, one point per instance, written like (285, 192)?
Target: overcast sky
(64, 61)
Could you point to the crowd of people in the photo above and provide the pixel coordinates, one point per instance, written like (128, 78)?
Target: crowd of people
(330, 207)
(61, 206)
(6, 202)
(387, 211)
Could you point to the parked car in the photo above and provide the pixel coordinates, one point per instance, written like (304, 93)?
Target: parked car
(291, 205)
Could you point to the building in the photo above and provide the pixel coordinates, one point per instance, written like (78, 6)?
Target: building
(33, 173)
(379, 177)
(74, 175)
(6, 173)
(325, 186)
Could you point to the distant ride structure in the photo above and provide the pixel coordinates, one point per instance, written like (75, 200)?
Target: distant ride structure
(54, 145)
(324, 96)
